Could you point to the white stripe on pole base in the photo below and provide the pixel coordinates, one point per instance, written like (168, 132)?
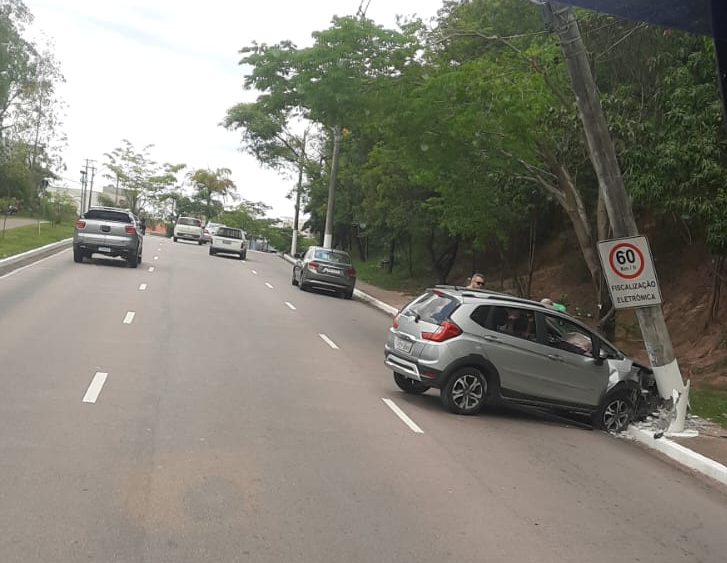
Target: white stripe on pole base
(94, 389)
(129, 318)
(328, 341)
(402, 415)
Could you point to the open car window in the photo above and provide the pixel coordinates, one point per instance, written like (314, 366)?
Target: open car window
(568, 336)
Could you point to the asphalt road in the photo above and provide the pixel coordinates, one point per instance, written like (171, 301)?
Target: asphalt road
(228, 429)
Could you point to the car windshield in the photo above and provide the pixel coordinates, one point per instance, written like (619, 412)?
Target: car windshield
(229, 233)
(108, 215)
(189, 221)
(433, 307)
(333, 256)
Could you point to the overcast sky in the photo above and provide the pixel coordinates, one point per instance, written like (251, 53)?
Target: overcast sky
(164, 72)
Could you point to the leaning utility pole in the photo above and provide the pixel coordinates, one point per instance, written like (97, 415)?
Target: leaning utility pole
(605, 163)
(298, 193)
(93, 173)
(84, 174)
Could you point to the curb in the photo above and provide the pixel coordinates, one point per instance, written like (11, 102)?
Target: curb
(680, 454)
(11, 262)
(360, 295)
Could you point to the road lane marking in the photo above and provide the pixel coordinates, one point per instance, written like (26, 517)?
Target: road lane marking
(268, 285)
(402, 415)
(151, 268)
(328, 341)
(292, 307)
(129, 318)
(33, 264)
(142, 287)
(156, 257)
(94, 389)
(254, 272)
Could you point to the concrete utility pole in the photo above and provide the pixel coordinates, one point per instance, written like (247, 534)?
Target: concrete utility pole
(298, 193)
(93, 173)
(330, 210)
(605, 163)
(84, 174)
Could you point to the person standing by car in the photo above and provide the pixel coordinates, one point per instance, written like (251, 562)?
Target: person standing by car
(477, 281)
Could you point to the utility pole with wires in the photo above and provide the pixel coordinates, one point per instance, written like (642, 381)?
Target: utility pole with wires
(93, 173)
(562, 20)
(84, 174)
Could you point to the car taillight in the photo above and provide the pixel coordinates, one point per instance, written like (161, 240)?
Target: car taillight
(351, 272)
(130, 229)
(396, 320)
(313, 265)
(81, 224)
(445, 331)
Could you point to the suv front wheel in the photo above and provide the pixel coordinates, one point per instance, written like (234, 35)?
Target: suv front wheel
(465, 391)
(616, 412)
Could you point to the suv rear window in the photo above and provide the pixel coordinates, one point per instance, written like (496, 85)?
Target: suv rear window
(189, 221)
(229, 233)
(332, 256)
(107, 215)
(433, 308)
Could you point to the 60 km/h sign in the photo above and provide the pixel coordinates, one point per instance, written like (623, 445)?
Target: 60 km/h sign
(629, 271)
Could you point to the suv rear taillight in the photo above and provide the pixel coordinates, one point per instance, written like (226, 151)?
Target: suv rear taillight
(396, 320)
(313, 265)
(130, 229)
(80, 224)
(351, 272)
(445, 331)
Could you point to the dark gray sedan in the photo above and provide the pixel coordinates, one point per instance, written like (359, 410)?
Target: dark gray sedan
(327, 269)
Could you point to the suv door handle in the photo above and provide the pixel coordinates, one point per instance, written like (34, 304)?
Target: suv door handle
(555, 357)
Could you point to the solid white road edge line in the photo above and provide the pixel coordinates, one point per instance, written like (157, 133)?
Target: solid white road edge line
(151, 268)
(292, 307)
(328, 341)
(33, 264)
(402, 415)
(94, 389)
(129, 318)
(268, 285)
(142, 287)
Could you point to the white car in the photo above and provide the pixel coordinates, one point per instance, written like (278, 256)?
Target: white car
(228, 240)
(188, 228)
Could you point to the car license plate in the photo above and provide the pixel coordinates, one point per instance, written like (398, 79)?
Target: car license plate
(403, 345)
(334, 271)
(104, 249)
(227, 242)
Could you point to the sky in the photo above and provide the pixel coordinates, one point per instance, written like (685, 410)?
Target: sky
(164, 72)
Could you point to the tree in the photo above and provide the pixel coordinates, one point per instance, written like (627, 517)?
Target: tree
(210, 185)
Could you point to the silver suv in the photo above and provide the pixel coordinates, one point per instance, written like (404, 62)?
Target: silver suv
(479, 347)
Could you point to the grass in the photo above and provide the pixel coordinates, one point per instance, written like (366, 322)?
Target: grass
(21, 239)
(399, 280)
(710, 404)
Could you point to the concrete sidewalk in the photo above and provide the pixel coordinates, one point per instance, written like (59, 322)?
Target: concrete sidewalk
(15, 222)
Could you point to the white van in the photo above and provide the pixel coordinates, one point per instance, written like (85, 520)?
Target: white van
(188, 228)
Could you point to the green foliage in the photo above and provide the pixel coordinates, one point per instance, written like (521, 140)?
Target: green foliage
(22, 239)
(710, 404)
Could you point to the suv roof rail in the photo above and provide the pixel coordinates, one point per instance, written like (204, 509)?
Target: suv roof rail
(488, 294)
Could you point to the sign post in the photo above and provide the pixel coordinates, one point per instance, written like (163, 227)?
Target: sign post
(629, 271)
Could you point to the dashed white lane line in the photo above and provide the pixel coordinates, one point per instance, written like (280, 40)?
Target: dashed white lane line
(290, 305)
(129, 318)
(33, 264)
(142, 287)
(94, 389)
(328, 341)
(151, 268)
(268, 285)
(254, 272)
(402, 415)
(156, 257)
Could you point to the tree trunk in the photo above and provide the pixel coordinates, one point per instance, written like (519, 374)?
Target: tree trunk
(443, 262)
(714, 304)
(392, 248)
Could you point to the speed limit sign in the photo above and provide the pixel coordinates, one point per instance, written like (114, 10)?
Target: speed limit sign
(629, 271)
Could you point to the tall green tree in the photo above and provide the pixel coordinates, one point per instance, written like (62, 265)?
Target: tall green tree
(211, 185)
